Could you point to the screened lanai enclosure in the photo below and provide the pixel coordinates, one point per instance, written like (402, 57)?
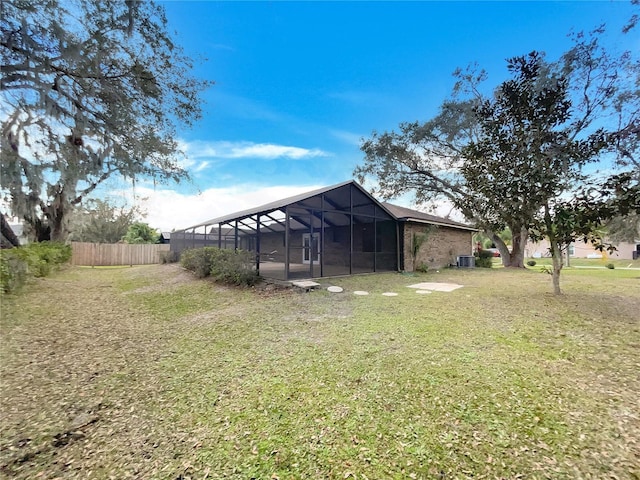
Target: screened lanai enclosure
(338, 230)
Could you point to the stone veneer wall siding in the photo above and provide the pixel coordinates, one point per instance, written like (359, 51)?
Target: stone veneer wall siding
(441, 249)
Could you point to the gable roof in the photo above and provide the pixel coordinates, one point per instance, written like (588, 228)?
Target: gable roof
(395, 211)
(282, 203)
(409, 215)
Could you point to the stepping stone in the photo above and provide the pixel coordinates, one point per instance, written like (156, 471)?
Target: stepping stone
(390, 294)
(305, 284)
(436, 287)
(335, 289)
(360, 292)
(423, 291)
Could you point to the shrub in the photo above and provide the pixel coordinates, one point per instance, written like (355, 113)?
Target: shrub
(41, 258)
(224, 265)
(484, 262)
(422, 268)
(484, 254)
(234, 267)
(610, 266)
(168, 257)
(35, 260)
(49, 255)
(484, 258)
(531, 263)
(13, 270)
(199, 260)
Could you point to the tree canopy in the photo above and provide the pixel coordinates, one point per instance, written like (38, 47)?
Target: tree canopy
(140, 232)
(90, 89)
(512, 158)
(101, 221)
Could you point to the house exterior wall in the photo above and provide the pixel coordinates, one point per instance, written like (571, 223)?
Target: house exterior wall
(584, 250)
(441, 248)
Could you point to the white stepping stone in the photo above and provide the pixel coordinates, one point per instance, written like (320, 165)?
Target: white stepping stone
(335, 289)
(423, 291)
(307, 284)
(390, 294)
(436, 287)
(360, 292)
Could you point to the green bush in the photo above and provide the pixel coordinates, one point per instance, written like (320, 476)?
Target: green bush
(234, 267)
(199, 260)
(484, 254)
(484, 259)
(223, 265)
(168, 257)
(422, 268)
(13, 270)
(484, 262)
(50, 255)
(610, 266)
(531, 263)
(33, 260)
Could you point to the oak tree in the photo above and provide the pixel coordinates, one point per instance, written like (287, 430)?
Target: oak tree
(90, 89)
(504, 159)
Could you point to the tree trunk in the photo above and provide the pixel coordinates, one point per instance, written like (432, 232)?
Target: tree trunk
(556, 256)
(59, 230)
(41, 230)
(556, 250)
(54, 227)
(515, 257)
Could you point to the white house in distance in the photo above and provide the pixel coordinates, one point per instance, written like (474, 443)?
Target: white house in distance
(625, 251)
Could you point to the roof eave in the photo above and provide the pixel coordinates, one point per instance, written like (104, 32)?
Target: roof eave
(440, 224)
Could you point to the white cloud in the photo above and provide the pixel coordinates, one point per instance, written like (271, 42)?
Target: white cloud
(357, 97)
(268, 151)
(168, 209)
(201, 166)
(350, 138)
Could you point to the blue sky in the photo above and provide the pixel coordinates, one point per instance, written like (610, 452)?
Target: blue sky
(299, 84)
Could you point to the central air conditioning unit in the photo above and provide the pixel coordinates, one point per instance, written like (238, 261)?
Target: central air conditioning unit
(466, 261)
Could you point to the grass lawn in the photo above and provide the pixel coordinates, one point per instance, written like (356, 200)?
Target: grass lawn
(145, 372)
(592, 262)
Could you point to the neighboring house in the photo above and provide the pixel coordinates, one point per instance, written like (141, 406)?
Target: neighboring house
(624, 251)
(12, 234)
(337, 230)
(18, 229)
(165, 237)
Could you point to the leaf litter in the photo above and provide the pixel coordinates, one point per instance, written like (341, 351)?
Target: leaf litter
(98, 383)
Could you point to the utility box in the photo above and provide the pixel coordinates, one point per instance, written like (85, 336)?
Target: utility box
(466, 261)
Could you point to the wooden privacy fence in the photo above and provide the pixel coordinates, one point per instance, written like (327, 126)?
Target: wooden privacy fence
(103, 254)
